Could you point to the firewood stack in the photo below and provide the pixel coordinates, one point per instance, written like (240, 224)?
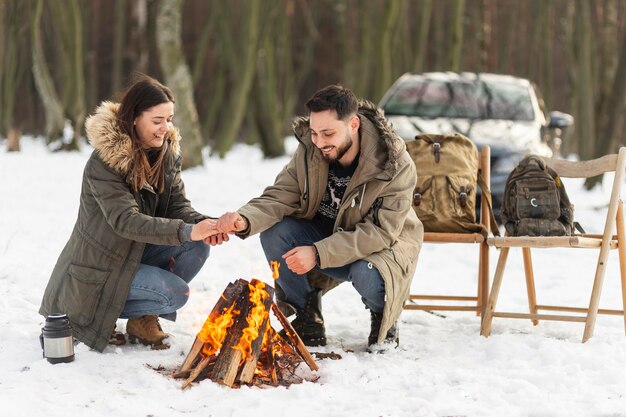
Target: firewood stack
(237, 345)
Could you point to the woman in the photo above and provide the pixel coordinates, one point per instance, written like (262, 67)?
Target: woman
(137, 241)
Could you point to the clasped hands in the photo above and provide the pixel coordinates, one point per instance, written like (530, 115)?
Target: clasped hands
(300, 259)
(215, 231)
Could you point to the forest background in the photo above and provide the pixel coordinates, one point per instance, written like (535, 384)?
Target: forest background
(241, 69)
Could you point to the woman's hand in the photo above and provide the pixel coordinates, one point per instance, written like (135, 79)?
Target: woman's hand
(206, 230)
(217, 239)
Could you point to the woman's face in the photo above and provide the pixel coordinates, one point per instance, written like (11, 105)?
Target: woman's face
(153, 124)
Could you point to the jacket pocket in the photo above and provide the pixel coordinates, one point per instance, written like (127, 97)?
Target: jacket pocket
(81, 293)
(401, 258)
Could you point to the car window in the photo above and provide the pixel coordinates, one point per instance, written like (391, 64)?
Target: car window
(460, 99)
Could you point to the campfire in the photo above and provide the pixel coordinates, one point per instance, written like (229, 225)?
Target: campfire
(237, 345)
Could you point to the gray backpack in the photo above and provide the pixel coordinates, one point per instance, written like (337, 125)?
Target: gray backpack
(535, 202)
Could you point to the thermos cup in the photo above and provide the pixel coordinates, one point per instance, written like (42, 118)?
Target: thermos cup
(56, 339)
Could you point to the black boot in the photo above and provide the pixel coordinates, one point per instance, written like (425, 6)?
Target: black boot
(392, 339)
(309, 323)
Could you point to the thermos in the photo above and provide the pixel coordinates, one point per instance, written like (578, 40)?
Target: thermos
(56, 339)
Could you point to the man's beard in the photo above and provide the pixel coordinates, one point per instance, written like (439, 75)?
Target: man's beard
(341, 149)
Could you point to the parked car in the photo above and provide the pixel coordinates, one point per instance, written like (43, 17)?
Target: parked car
(504, 112)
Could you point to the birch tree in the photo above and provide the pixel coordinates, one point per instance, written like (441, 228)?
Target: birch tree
(178, 78)
(43, 81)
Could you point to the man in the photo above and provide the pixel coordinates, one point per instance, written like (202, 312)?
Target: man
(342, 205)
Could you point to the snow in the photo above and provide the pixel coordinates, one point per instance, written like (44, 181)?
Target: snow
(442, 368)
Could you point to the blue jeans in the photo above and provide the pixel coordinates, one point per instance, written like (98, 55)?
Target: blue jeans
(160, 284)
(291, 232)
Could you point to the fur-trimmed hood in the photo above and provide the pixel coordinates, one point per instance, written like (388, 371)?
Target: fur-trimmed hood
(114, 147)
(368, 110)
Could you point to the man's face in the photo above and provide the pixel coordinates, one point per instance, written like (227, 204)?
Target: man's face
(334, 137)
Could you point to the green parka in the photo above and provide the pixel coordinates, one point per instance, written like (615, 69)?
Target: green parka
(92, 277)
(375, 221)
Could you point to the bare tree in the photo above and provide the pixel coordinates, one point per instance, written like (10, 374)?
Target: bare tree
(178, 78)
(585, 119)
(238, 103)
(280, 73)
(14, 67)
(43, 80)
(119, 43)
(422, 38)
(456, 44)
(73, 78)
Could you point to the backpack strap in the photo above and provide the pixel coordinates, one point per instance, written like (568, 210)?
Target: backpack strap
(578, 227)
(487, 193)
(435, 141)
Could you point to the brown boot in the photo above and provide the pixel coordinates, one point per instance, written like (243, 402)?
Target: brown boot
(147, 330)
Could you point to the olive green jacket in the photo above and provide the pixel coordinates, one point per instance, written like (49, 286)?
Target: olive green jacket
(375, 221)
(92, 277)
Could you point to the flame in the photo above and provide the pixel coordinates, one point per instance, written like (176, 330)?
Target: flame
(274, 266)
(255, 319)
(214, 330)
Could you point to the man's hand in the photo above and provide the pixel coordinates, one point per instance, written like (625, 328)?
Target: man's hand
(231, 222)
(301, 259)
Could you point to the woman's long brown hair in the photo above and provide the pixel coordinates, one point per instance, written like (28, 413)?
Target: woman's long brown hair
(145, 92)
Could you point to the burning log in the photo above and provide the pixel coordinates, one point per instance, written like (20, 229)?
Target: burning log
(225, 301)
(295, 338)
(237, 344)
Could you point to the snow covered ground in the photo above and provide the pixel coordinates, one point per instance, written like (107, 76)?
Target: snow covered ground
(442, 368)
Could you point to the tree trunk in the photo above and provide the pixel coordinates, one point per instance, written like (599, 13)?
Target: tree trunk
(547, 70)
(3, 47)
(585, 119)
(139, 35)
(14, 51)
(43, 81)
(267, 115)
(13, 140)
(456, 47)
(389, 23)
(76, 77)
(237, 106)
(421, 44)
(608, 139)
(178, 78)
(119, 44)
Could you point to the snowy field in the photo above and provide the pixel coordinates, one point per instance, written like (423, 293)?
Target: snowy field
(442, 368)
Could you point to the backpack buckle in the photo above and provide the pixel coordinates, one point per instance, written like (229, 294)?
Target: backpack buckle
(417, 198)
(463, 197)
(437, 151)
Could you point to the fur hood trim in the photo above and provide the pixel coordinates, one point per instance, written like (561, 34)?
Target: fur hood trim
(391, 141)
(114, 147)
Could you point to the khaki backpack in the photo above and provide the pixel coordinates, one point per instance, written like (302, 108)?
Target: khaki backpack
(447, 179)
